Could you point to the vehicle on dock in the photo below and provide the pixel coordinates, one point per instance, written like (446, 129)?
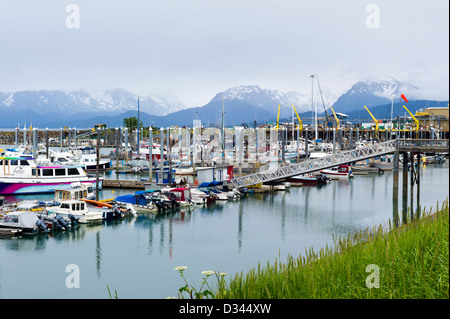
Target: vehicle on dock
(337, 172)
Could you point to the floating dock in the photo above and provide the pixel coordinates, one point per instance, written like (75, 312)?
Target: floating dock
(115, 183)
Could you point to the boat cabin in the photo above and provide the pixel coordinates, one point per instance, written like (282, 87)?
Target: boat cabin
(344, 169)
(180, 194)
(26, 167)
(75, 192)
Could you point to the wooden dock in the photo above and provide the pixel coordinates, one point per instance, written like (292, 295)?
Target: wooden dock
(120, 183)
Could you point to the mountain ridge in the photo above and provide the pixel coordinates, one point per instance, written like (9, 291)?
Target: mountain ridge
(244, 103)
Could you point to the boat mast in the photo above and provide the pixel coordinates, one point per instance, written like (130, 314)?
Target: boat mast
(138, 130)
(312, 76)
(223, 127)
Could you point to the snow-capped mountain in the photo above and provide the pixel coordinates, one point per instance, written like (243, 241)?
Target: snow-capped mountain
(373, 93)
(80, 101)
(270, 99)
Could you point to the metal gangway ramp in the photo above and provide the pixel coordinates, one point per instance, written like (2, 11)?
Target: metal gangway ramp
(312, 165)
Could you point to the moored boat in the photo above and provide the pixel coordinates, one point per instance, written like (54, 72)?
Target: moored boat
(337, 172)
(19, 222)
(308, 179)
(143, 202)
(21, 175)
(180, 196)
(79, 209)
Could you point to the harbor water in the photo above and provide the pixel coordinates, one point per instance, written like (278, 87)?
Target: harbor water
(136, 256)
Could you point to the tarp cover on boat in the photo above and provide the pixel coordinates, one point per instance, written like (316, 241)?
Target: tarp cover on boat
(132, 199)
(21, 219)
(210, 184)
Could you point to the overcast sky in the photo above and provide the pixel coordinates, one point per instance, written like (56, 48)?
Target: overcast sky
(192, 49)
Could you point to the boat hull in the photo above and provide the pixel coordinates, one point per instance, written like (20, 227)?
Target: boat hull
(304, 180)
(332, 175)
(34, 186)
(103, 166)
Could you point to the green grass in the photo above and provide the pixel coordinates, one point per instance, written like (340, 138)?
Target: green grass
(412, 258)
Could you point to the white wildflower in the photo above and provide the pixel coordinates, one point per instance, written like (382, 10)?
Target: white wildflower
(208, 273)
(180, 268)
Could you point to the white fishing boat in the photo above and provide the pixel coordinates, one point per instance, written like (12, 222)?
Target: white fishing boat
(337, 172)
(79, 209)
(87, 157)
(180, 196)
(21, 175)
(84, 156)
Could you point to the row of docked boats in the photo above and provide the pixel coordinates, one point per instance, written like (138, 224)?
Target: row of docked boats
(68, 208)
(152, 201)
(75, 205)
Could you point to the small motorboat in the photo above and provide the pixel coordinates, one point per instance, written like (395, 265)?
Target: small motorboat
(176, 197)
(337, 172)
(78, 209)
(21, 222)
(143, 202)
(308, 179)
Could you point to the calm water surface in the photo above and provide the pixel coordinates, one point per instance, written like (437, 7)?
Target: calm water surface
(137, 256)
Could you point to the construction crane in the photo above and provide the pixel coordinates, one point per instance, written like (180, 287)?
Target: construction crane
(375, 120)
(299, 120)
(336, 118)
(415, 120)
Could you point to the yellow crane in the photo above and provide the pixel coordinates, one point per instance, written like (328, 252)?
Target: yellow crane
(299, 120)
(278, 117)
(336, 118)
(375, 120)
(415, 120)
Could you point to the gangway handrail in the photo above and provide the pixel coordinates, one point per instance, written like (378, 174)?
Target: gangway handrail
(312, 165)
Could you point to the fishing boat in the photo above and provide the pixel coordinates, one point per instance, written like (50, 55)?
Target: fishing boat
(180, 196)
(213, 188)
(75, 192)
(21, 175)
(115, 211)
(143, 202)
(87, 157)
(337, 172)
(308, 179)
(79, 210)
(156, 151)
(202, 197)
